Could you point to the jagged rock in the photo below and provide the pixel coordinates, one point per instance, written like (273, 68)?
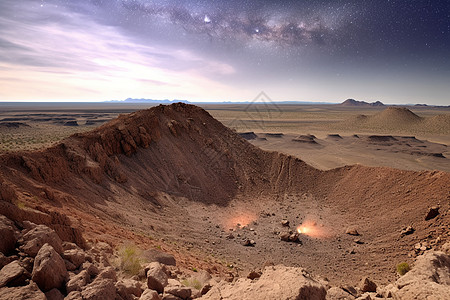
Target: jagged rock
(157, 278)
(285, 236)
(75, 256)
(78, 281)
(149, 294)
(108, 273)
(336, 293)
(367, 285)
(205, 289)
(285, 223)
(352, 231)
(13, 274)
(27, 263)
(54, 294)
(7, 232)
(428, 279)
(351, 290)
(69, 266)
(277, 282)
(294, 237)
(170, 297)
(175, 288)
(432, 213)
(34, 239)
(92, 270)
(29, 292)
(70, 246)
(128, 287)
(75, 295)
(4, 260)
(407, 230)
(49, 270)
(366, 296)
(99, 289)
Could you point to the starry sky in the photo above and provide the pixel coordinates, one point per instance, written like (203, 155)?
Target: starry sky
(394, 51)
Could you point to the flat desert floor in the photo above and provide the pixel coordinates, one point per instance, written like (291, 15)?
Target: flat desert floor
(324, 136)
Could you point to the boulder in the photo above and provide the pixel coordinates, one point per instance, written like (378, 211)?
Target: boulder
(34, 239)
(54, 294)
(7, 232)
(78, 281)
(161, 257)
(99, 289)
(128, 287)
(149, 294)
(107, 273)
(278, 282)
(428, 279)
(4, 260)
(75, 256)
(157, 277)
(352, 231)
(92, 269)
(177, 289)
(13, 274)
(336, 293)
(367, 285)
(29, 292)
(49, 270)
(432, 213)
(75, 295)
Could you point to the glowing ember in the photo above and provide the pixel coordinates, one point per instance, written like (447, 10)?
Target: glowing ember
(311, 229)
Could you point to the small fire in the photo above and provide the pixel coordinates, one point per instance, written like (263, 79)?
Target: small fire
(311, 229)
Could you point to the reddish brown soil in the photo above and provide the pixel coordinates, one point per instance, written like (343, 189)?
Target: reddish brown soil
(175, 173)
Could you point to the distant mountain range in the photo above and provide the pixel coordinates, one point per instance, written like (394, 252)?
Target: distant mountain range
(356, 103)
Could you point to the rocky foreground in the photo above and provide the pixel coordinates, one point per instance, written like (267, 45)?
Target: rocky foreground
(36, 264)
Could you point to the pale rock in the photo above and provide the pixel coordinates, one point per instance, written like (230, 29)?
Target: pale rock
(157, 277)
(277, 282)
(128, 287)
(149, 294)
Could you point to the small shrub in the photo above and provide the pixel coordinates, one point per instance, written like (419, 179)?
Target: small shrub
(192, 282)
(403, 268)
(194, 269)
(130, 257)
(21, 205)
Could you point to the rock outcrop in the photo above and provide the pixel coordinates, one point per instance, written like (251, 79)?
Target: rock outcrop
(277, 282)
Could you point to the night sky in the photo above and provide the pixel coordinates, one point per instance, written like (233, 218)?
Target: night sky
(394, 51)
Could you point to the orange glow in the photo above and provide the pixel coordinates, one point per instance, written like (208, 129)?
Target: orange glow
(311, 229)
(240, 220)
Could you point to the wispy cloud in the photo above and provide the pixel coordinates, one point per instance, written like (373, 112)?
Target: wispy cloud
(51, 56)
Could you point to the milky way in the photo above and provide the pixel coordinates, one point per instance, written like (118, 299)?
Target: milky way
(225, 50)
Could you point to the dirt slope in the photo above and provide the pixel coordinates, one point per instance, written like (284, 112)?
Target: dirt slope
(174, 172)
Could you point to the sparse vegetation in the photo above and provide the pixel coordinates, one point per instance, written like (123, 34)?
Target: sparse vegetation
(130, 259)
(192, 282)
(194, 269)
(403, 268)
(21, 205)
